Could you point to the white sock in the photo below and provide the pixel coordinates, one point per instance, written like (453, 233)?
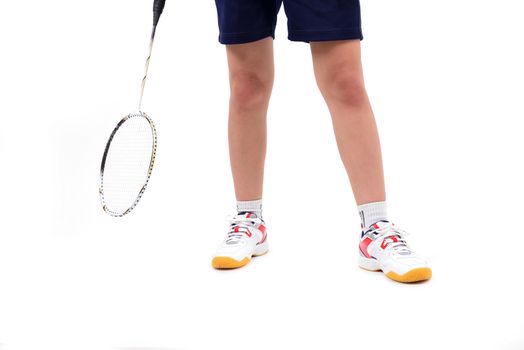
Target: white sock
(254, 206)
(371, 213)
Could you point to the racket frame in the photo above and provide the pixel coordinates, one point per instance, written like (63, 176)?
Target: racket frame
(149, 170)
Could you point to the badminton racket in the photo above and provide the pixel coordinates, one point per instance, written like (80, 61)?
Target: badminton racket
(129, 155)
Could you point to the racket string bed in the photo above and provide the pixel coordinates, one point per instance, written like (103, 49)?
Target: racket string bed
(128, 164)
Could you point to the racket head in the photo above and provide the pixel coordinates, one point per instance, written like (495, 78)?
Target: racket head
(127, 164)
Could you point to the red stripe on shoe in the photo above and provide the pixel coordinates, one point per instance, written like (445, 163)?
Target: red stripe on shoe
(364, 246)
(262, 229)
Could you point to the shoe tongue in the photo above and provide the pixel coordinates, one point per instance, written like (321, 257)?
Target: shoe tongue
(391, 236)
(247, 214)
(379, 224)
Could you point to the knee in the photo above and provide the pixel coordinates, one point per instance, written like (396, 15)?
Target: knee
(345, 86)
(250, 90)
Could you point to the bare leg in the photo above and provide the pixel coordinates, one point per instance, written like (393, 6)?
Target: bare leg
(338, 71)
(251, 74)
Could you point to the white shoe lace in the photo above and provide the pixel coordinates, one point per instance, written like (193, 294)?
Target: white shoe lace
(387, 229)
(243, 225)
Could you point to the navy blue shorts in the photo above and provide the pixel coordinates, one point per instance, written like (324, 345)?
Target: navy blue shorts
(242, 21)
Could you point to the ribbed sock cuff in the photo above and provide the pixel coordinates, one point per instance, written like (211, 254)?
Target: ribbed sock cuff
(371, 213)
(253, 206)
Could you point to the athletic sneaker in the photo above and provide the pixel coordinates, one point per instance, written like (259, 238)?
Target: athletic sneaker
(383, 247)
(246, 238)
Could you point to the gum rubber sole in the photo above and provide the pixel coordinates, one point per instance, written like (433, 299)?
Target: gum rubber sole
(225, 262)
(415, 275)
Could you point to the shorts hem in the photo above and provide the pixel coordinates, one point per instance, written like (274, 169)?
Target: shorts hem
(242, 38)
(325, 35)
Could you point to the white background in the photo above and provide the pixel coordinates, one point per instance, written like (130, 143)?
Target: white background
(445, 79)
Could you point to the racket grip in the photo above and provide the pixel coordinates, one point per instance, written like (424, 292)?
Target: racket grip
(158, 7)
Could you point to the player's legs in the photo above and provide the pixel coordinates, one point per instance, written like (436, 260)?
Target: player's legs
(251, 73)
(338, 72)
(247, 27)
(251, 81)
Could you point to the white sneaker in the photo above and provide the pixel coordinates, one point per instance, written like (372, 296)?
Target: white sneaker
(246, 238)
(383, 247)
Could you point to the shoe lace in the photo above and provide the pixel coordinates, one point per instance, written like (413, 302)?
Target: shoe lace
(388, 229)
(234, 235)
